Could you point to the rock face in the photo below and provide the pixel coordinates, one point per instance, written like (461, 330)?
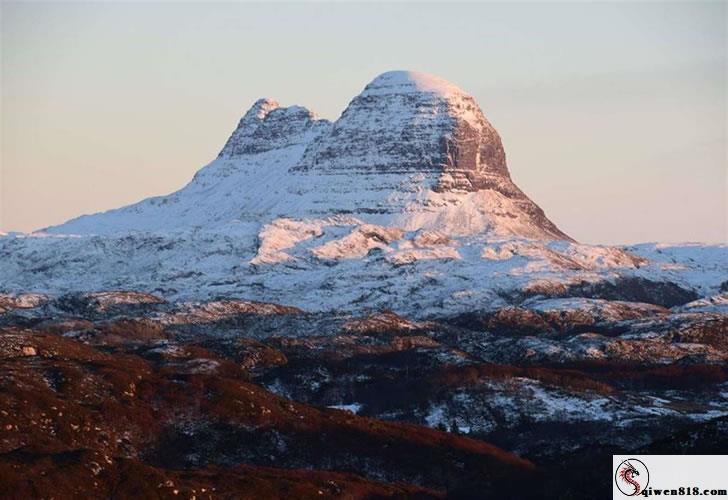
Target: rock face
(411, 151)
(426, 140)
(407, 122)
(268, 126)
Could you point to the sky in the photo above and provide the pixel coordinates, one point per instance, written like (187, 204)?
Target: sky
(613, 115)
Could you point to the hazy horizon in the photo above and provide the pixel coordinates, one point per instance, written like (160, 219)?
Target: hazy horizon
(613, 116)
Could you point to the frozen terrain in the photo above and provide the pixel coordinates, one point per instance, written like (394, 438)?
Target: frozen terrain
(404, 202)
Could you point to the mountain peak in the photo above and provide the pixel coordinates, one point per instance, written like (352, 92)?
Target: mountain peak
(267, 125)
(411, 152)
(260, 109)
(409, 82)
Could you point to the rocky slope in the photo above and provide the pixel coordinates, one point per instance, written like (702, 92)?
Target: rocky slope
(122, 393)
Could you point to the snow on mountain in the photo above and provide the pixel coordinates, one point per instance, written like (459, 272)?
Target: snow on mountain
(411, 151)
(404, 202)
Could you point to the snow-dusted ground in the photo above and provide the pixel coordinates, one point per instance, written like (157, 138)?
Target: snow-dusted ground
(336, 265)
(520, 401)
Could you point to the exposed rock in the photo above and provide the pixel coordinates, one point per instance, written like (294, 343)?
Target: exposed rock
(107, 301)
(210, 312)
(10, 302)
(634, 289)
(256, 355)
(268, 126)
(381, 323)
(29, 351)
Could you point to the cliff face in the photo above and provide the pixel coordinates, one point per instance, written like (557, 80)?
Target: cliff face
(267, 126)
(405, 122)
(426, 146)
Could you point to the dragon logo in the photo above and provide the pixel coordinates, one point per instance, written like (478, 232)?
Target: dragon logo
(631, 477)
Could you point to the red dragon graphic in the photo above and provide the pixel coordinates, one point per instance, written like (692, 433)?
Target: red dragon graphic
(627, 474)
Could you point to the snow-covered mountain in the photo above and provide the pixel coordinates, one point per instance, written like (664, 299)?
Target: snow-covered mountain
(404, 202)
(412, 151)
(364, 308)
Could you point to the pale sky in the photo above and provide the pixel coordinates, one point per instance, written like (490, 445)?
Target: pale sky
(613, 115)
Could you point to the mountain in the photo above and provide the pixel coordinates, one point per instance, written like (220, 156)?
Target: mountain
(412, 151)
(357, 309)
(405, 202)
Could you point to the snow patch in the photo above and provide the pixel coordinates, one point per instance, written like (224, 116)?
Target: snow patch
(354, 408)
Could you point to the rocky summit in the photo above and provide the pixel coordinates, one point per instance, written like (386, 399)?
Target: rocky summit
(411, 151)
